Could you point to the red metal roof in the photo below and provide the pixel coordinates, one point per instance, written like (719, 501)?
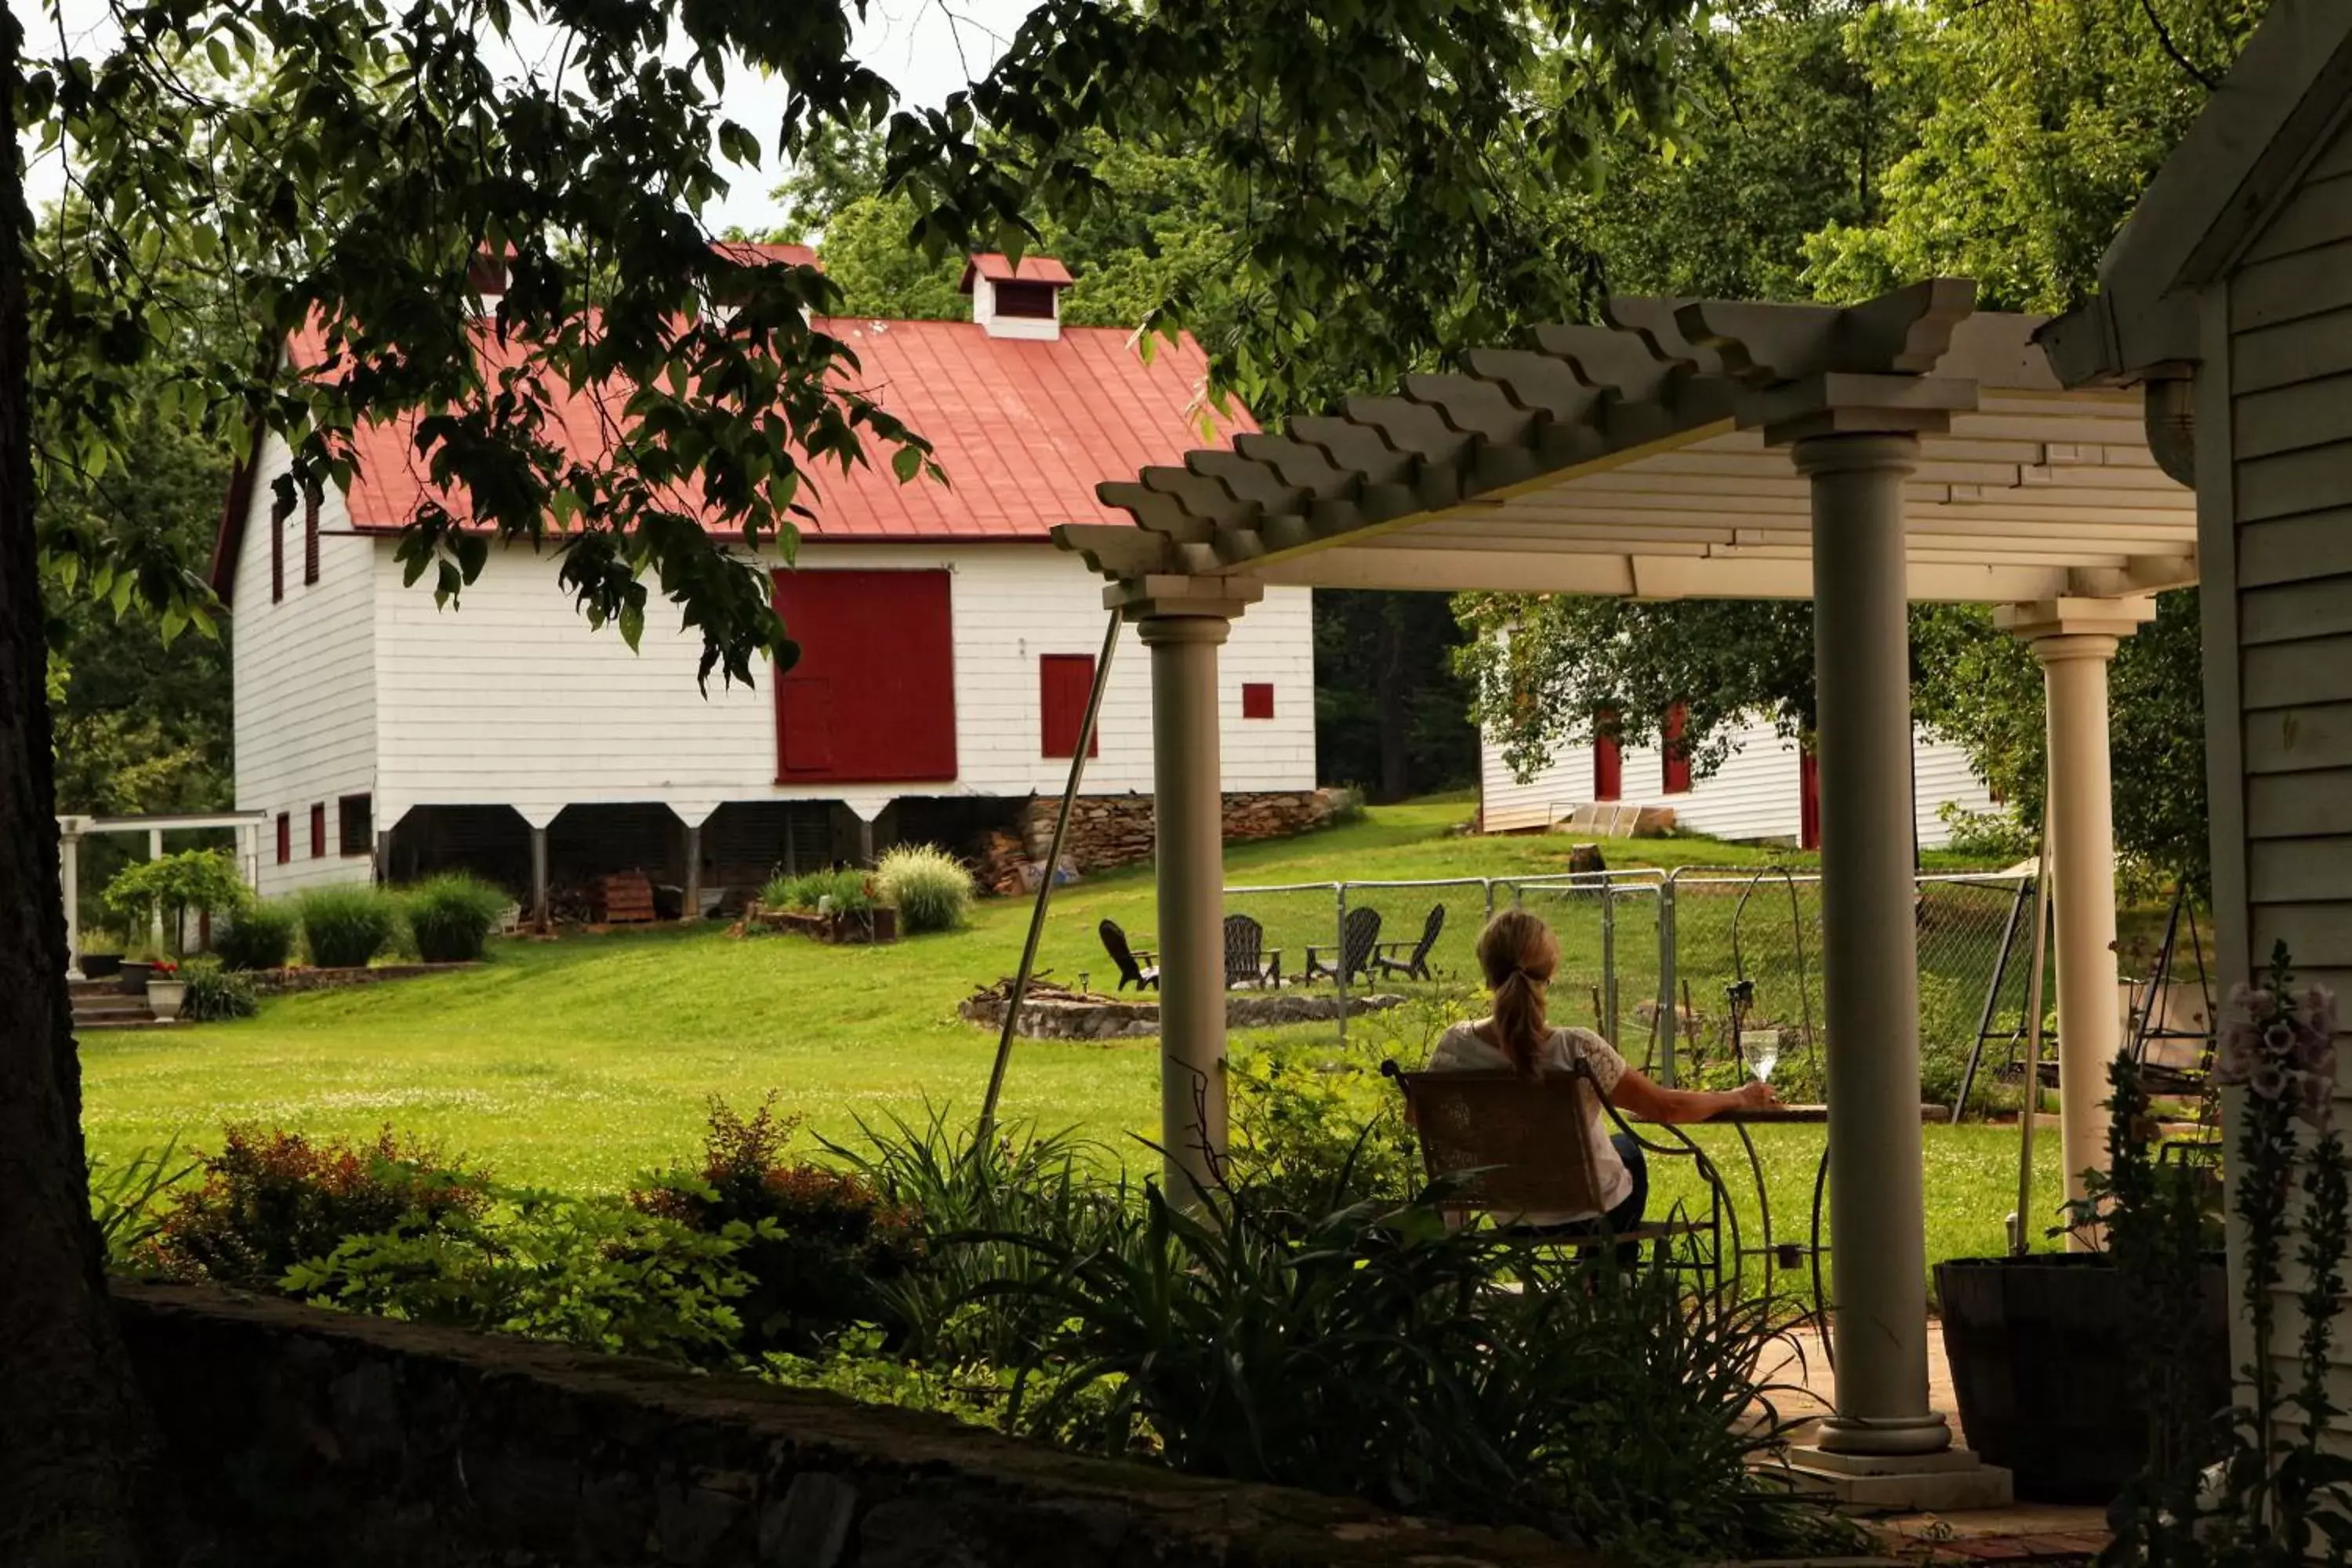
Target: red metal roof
(1025, 429)
(998, 267)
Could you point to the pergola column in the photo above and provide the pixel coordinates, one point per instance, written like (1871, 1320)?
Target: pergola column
(1183, 620)
(1877, 1182)
(69, 882)
(2076, 639)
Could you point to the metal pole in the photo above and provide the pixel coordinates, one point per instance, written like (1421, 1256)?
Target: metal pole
(1669, 1018)
(1609, 959)
(1341, 933)
(1045, 890)
(2017, 1222)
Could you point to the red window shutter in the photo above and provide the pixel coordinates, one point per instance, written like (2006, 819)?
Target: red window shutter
(1257, 699)
(311, 537)
(1675, 765)
(1809, 801)
(319, 832)
(285, 836)
(276, 553)
(1608, 758)
(1065, 681)
(872, 699)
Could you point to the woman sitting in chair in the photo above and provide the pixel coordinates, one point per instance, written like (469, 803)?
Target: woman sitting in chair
(1518, 954)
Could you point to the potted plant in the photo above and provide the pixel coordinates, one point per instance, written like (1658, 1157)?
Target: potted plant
(165, 991)
(2070, 1368)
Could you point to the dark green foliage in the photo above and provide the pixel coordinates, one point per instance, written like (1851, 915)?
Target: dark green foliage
(590, 1272)
(194, 881)
(985, 1211)
(272, 1199)
(215, 993)
(451, 916)
(259, 935)
(1369, 1352)
(1390, 712)
(822, 1248)
(845, 892)
(346, 925)
(127, 1200)
(1316, 1127)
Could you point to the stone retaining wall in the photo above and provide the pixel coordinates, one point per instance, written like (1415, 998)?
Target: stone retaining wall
(1107, 830)
(1112, 1019)
(272, 980)
(310, 1436)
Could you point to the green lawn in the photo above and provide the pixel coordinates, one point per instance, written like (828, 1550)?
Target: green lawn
(580, 1063)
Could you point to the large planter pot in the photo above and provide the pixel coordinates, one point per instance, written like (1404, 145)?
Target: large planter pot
(100, 965)
(163, 999)
(2045, 1371)
(132, 975)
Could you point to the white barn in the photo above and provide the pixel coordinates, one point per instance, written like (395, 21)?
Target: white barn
(1765, 791)
(947, 647)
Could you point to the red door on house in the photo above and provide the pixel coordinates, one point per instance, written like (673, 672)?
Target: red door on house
(1608, 757)
(872, 699)
(1809, 801)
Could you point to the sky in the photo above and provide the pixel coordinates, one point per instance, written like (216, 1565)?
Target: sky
(927, 49)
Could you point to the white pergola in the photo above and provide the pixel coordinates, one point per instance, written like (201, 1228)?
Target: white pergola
(1911, 447)
(72, 830)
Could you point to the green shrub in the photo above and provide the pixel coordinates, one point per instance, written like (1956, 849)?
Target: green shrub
(451, 915)
(272, 1199)
(203, 881)
(983, 1210)
(259, 935)
(821, 1247)
(592, 1272)
(1995, 835)
(1374, 1353)
(851, 892)
(215, 993)
(346, 925)
(930, 888)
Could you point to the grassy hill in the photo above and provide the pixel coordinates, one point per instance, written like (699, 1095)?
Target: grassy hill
(580, 1063)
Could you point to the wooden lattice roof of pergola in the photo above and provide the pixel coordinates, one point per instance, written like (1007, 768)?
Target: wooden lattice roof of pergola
(1648, 456)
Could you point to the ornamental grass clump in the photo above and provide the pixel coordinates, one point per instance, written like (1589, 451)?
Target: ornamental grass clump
(844, 892)
(451, 916)
(927, 886)
(215, 993)
(343, 927)
(259, 935)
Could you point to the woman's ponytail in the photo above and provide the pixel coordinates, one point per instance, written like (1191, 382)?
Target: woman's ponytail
(1518, 954)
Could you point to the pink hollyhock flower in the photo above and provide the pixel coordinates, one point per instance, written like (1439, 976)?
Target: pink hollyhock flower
(2315, 1101)
(2239, 1053)
(2278, 1039)
(2251, 1001)
(2319, 1009)
(2268, 1080)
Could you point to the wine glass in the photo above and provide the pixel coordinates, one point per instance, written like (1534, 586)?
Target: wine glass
(1760, 1049)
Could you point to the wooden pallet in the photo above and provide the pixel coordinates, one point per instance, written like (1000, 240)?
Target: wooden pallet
(626, 898)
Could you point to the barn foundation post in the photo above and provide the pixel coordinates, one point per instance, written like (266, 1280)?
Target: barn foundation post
(1183, 620)
(2076, 639)
(539, 911)
(69, 882)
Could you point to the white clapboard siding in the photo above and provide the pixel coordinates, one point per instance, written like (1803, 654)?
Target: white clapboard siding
(510, 698)
(304, 682)
(2290, 471)
(1755, 795)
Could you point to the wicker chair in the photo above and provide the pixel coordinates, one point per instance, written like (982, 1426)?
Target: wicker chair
(1497, 1145)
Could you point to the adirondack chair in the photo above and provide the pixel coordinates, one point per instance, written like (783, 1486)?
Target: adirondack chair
(1247, 960)
(1414, 964)
(1141, 969)
(1360, 938)
(1496, 1144)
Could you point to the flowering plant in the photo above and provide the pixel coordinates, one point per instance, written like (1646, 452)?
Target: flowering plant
(162, 969)
(2278, 1496)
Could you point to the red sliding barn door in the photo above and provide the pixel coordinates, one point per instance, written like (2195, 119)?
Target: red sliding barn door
(872, 699)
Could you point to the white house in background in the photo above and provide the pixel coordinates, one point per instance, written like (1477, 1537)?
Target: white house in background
(947, 647)
(1766, 790)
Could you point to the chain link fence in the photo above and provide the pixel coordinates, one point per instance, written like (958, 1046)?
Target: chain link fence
(1677, 968)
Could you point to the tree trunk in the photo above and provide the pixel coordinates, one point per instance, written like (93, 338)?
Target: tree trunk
(73, 1437)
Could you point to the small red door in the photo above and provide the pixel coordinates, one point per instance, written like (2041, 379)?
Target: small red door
(1674, 761)
(1608, 758)
(1809, 801)
(1064, 683)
